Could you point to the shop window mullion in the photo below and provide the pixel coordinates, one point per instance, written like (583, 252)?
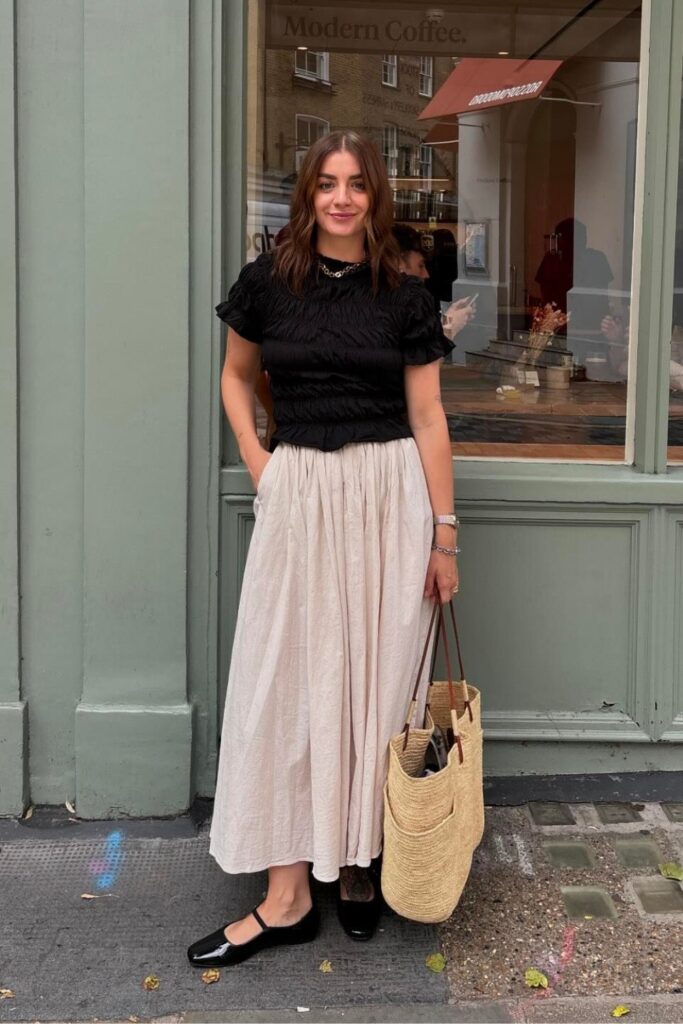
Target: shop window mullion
(234, 187)
(654, 234)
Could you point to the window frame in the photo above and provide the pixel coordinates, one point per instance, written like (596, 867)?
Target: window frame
(653, 257)
(309, 119)
(423, 149)
(390, 61)
(657, 147)
(323, 75)
(390, 153)
(426, 75)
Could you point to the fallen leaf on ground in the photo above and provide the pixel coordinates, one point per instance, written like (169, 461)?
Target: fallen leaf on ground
(535, 979)
(620, 1011)
(325, 967)
(29, 813)
(6, 993)
(588, 917)
(435, 962)
(134, 1020)
(671, 870)
(151, 982)
(70, 807)
(213, 974)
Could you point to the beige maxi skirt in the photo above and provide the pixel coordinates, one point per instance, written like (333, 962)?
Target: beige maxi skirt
(330, 629)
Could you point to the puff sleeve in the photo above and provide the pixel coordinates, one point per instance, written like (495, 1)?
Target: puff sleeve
(422, 340)
(242, 308)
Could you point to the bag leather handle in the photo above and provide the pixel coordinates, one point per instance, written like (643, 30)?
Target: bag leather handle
(413, 699)
(441, 628)
(463, 679)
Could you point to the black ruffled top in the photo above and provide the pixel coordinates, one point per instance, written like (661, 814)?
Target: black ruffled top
(335, 354)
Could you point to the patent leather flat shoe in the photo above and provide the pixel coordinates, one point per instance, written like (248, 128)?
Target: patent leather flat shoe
(359, 918)
(215, 950)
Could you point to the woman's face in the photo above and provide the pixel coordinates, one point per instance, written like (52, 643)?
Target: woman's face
(341, 201)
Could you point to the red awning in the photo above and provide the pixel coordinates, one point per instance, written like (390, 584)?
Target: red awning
(478, 83)
(443, 134)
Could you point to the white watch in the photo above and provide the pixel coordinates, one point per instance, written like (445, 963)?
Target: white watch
(449, 520)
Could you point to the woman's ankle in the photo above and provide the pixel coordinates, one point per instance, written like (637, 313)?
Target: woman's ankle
(356, 883)
(279, 911)
(289, 889)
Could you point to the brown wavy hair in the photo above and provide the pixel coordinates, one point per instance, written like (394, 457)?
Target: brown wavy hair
(294, 257)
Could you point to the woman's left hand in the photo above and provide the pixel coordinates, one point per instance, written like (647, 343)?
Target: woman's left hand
(442, 577)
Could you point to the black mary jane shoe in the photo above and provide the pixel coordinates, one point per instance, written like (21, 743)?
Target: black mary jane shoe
(359, 918)
(215, 950)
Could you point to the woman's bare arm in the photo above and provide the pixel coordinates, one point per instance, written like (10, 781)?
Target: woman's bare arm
(428, 423)
(238, 380)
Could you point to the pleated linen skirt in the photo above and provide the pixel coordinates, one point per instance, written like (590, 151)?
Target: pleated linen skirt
(330, 629)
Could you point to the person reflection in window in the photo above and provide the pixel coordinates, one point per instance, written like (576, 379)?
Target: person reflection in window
(443, 264)
(410, 248)
(459, 313)
(574, 266)
(617, 335)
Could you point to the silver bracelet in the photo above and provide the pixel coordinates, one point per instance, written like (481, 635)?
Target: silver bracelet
(446, 551)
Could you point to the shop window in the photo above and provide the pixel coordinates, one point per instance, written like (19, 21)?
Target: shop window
(426, 80)
(390, 70)
(312, 64)
(308, 130)
(675, 447)
(509, 138)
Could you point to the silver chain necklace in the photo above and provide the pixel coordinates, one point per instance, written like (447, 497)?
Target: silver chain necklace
(350, 269)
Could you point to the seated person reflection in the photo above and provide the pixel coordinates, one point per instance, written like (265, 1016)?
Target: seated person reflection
(617, 333)
(412, 257)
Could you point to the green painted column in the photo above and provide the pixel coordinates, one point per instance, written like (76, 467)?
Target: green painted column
(13, 710)
(655, 227)
(133, 724)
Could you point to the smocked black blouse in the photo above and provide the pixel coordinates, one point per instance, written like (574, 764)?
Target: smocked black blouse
(335, 354)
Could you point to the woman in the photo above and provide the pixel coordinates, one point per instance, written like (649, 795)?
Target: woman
(344, 556)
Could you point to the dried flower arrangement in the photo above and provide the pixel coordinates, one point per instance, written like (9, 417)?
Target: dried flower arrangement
(546, 321)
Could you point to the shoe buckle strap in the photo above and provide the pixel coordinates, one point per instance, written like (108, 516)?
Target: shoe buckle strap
(260, 920)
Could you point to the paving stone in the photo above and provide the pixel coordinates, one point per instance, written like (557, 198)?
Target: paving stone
(583, 901)
(638, 853)
(617, 814)
(569, 854)
(551, 813)
(658, 895)
(674, 812)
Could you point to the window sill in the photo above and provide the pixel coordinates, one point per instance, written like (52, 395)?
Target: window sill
(319, 84)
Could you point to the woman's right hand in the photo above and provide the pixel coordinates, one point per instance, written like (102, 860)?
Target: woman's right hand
(257, 466)
(458, 315)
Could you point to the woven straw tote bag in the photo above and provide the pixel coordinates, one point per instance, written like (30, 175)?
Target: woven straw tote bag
(428, 821)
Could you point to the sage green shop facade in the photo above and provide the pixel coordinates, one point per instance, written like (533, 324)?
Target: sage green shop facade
(125, 515)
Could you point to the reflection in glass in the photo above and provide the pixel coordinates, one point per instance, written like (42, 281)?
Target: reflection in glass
(509, 140)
